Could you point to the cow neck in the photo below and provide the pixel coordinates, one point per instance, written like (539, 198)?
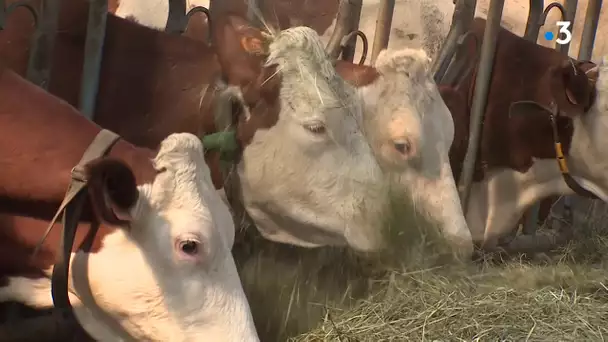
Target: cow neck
(52, 136)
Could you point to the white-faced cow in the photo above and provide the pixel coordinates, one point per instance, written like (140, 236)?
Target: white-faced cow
(308, 175)
(517, 164)
(411, 131)
(160, 267)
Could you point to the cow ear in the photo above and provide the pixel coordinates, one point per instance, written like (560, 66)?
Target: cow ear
(112, 190)
(572, 88)
(241, 48)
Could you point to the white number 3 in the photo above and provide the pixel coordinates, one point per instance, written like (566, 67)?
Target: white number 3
(563, 29)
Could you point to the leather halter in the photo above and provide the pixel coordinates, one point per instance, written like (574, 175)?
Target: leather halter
(561, 160)
(554, 112)
(71, 208)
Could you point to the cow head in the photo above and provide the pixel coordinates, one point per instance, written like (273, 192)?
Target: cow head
(171, 260)
(308, 175)
(411, 131)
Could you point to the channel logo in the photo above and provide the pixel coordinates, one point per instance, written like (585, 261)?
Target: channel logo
(564, 35)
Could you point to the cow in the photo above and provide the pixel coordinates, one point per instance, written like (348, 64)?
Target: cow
(308, 175)
(160, 265)
(517, 163)
(432, 209)
(411, 131)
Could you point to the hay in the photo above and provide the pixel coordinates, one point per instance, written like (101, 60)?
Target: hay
(332, 295)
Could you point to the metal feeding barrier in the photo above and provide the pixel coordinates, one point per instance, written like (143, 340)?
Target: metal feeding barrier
(448, 65)
(342, 43)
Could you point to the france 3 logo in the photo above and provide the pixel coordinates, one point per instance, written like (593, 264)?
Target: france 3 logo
(564, 35)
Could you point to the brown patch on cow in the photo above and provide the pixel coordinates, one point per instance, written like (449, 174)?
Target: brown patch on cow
(112, 190)
(19, 236)
(42, 139)
(523, 71)
(356, 75)
(151, 83)
(238, 47)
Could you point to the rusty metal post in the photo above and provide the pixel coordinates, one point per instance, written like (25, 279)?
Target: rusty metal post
(176, 20)
(533, 24)
(383, 27)
(592, 18)
(461, 21)
(569, 15)
(482, 81)
(347, 21)
(93, 51)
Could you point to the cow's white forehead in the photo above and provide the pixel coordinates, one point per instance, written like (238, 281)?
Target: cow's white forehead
(405, 80)
(184, 179)
(309, 79)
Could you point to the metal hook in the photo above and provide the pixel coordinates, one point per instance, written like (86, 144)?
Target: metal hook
(6, 11)
(205, 10)
(543, 17)
(355, 34)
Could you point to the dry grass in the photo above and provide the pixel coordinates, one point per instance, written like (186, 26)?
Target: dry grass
(332, 295)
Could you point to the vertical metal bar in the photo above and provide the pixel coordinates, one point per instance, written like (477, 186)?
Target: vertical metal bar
(532, 29)
(383, 27)
(213, 5)
(41, 53)
(533, 24)
(93, 52)
(341, 29)
(348, 53)
(482, 81)
(176, 20)
(461, 21)
(570, 15)
(592, 18)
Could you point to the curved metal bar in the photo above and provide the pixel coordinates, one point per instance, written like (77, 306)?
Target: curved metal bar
(201, 9)
(6, 11)
(543, 17)
(533, 24)
(361, 35)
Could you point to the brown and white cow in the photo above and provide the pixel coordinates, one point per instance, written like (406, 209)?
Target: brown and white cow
(434, 197)
(517, 164)
(160, 267)
(308, 175)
